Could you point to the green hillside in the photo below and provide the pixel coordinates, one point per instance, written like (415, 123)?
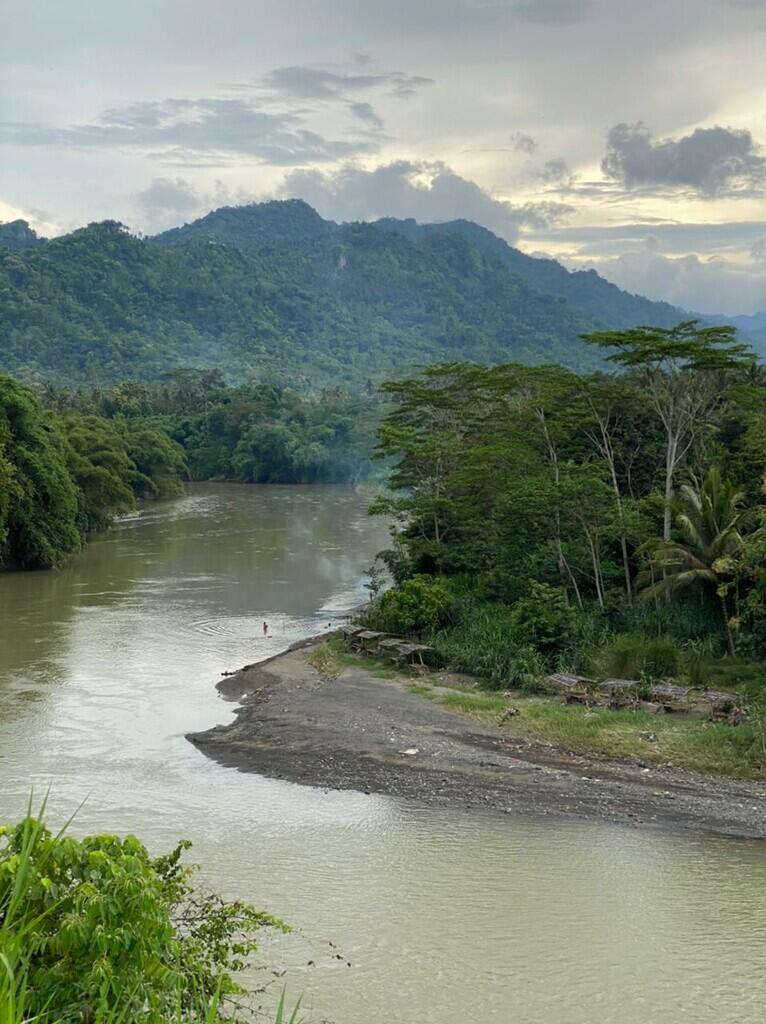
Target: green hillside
(274, 292)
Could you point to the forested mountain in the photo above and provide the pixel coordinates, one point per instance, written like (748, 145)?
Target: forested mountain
(17, 234)
(273, 292)
(584, 290)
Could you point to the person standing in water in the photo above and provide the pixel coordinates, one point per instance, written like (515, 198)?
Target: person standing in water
(265, 629)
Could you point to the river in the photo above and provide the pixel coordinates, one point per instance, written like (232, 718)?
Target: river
(445, 918)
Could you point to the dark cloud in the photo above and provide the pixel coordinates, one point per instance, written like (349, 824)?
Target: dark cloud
(302, 82)
(523, 143)
(167, 201)
(758, 252)
(555, 171)
(427, 192)
(366, 113)
(183, 131)
(727, 237)
(711, 161)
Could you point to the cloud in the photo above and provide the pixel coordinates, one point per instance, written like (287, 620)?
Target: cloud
(168, 196)
(425, 191)
(729, 238)
(366, 113)
(555, 171)
(185, 131)
(523, 143)
(714, 285)
(711, 161)
(317, 83)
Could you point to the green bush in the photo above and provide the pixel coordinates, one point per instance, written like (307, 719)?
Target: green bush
(95, 930)
(418, 606)
(542, 619)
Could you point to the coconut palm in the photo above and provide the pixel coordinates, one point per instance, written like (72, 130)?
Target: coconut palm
(711, 521)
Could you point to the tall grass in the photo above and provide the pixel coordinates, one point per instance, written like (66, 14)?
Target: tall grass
(481, 642)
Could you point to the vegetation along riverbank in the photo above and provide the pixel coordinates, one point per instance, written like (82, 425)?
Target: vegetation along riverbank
(72, 459)
(603, 526)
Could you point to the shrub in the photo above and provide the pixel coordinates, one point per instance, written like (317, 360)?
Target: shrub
(542, 619)
(95, 929)
(418, 606)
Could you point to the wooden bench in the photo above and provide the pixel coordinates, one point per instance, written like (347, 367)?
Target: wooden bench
(349, 633)
(412, 654)
(390, 646)
(723, 705)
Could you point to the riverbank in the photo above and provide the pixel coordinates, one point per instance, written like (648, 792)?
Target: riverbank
(355, 726)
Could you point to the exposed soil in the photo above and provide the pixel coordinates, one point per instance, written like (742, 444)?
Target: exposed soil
(357, 731)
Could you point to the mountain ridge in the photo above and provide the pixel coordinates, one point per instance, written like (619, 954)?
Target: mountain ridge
(274, 291)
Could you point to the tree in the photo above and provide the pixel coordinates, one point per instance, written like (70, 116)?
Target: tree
(685, 371)
(39, 510)
(711, 521)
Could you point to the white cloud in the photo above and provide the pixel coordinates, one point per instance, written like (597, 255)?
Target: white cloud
(425, 191)
(714, 285)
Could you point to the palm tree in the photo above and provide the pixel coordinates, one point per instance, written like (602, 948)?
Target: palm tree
(711, 520)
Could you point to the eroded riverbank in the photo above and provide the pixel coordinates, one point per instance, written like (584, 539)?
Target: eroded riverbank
(357, 731)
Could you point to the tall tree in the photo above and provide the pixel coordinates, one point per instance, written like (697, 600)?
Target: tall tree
(685, 371)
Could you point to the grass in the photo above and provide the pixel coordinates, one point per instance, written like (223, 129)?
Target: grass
(715, 747)
(738, 751)
(330, 658)
(694, 744)
(486, 707)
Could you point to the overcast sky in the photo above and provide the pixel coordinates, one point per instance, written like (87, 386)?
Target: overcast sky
(624, 135)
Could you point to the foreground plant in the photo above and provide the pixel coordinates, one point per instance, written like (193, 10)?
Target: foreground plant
(96, 930)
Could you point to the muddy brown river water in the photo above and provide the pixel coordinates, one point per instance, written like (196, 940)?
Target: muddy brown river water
(445, 917)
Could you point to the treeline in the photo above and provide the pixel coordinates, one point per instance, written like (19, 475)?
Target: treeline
(72, 459)
(62, 476)
(544, 519)
(254, 433)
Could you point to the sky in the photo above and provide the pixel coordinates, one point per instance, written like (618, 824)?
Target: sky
(623, 135)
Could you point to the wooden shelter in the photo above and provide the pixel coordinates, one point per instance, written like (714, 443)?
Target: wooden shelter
(367, 641)
(574, 689)
(670, 696)
(619, 692)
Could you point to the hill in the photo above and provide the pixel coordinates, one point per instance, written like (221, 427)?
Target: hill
(272, 291)
(18, 235)
(262, 226)
(584, 290)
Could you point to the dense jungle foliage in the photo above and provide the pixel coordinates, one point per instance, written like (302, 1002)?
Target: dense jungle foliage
(61, 476)
(273, 293)
(68, 466)
(603, 524)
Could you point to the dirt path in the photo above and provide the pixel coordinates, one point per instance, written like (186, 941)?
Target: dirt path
(357, 731)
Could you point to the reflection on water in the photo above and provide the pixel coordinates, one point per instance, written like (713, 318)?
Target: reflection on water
(445, 917)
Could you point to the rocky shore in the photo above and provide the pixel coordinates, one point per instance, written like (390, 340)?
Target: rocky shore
(359, 731)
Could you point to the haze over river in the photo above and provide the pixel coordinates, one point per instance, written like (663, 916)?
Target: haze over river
(445, 917)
